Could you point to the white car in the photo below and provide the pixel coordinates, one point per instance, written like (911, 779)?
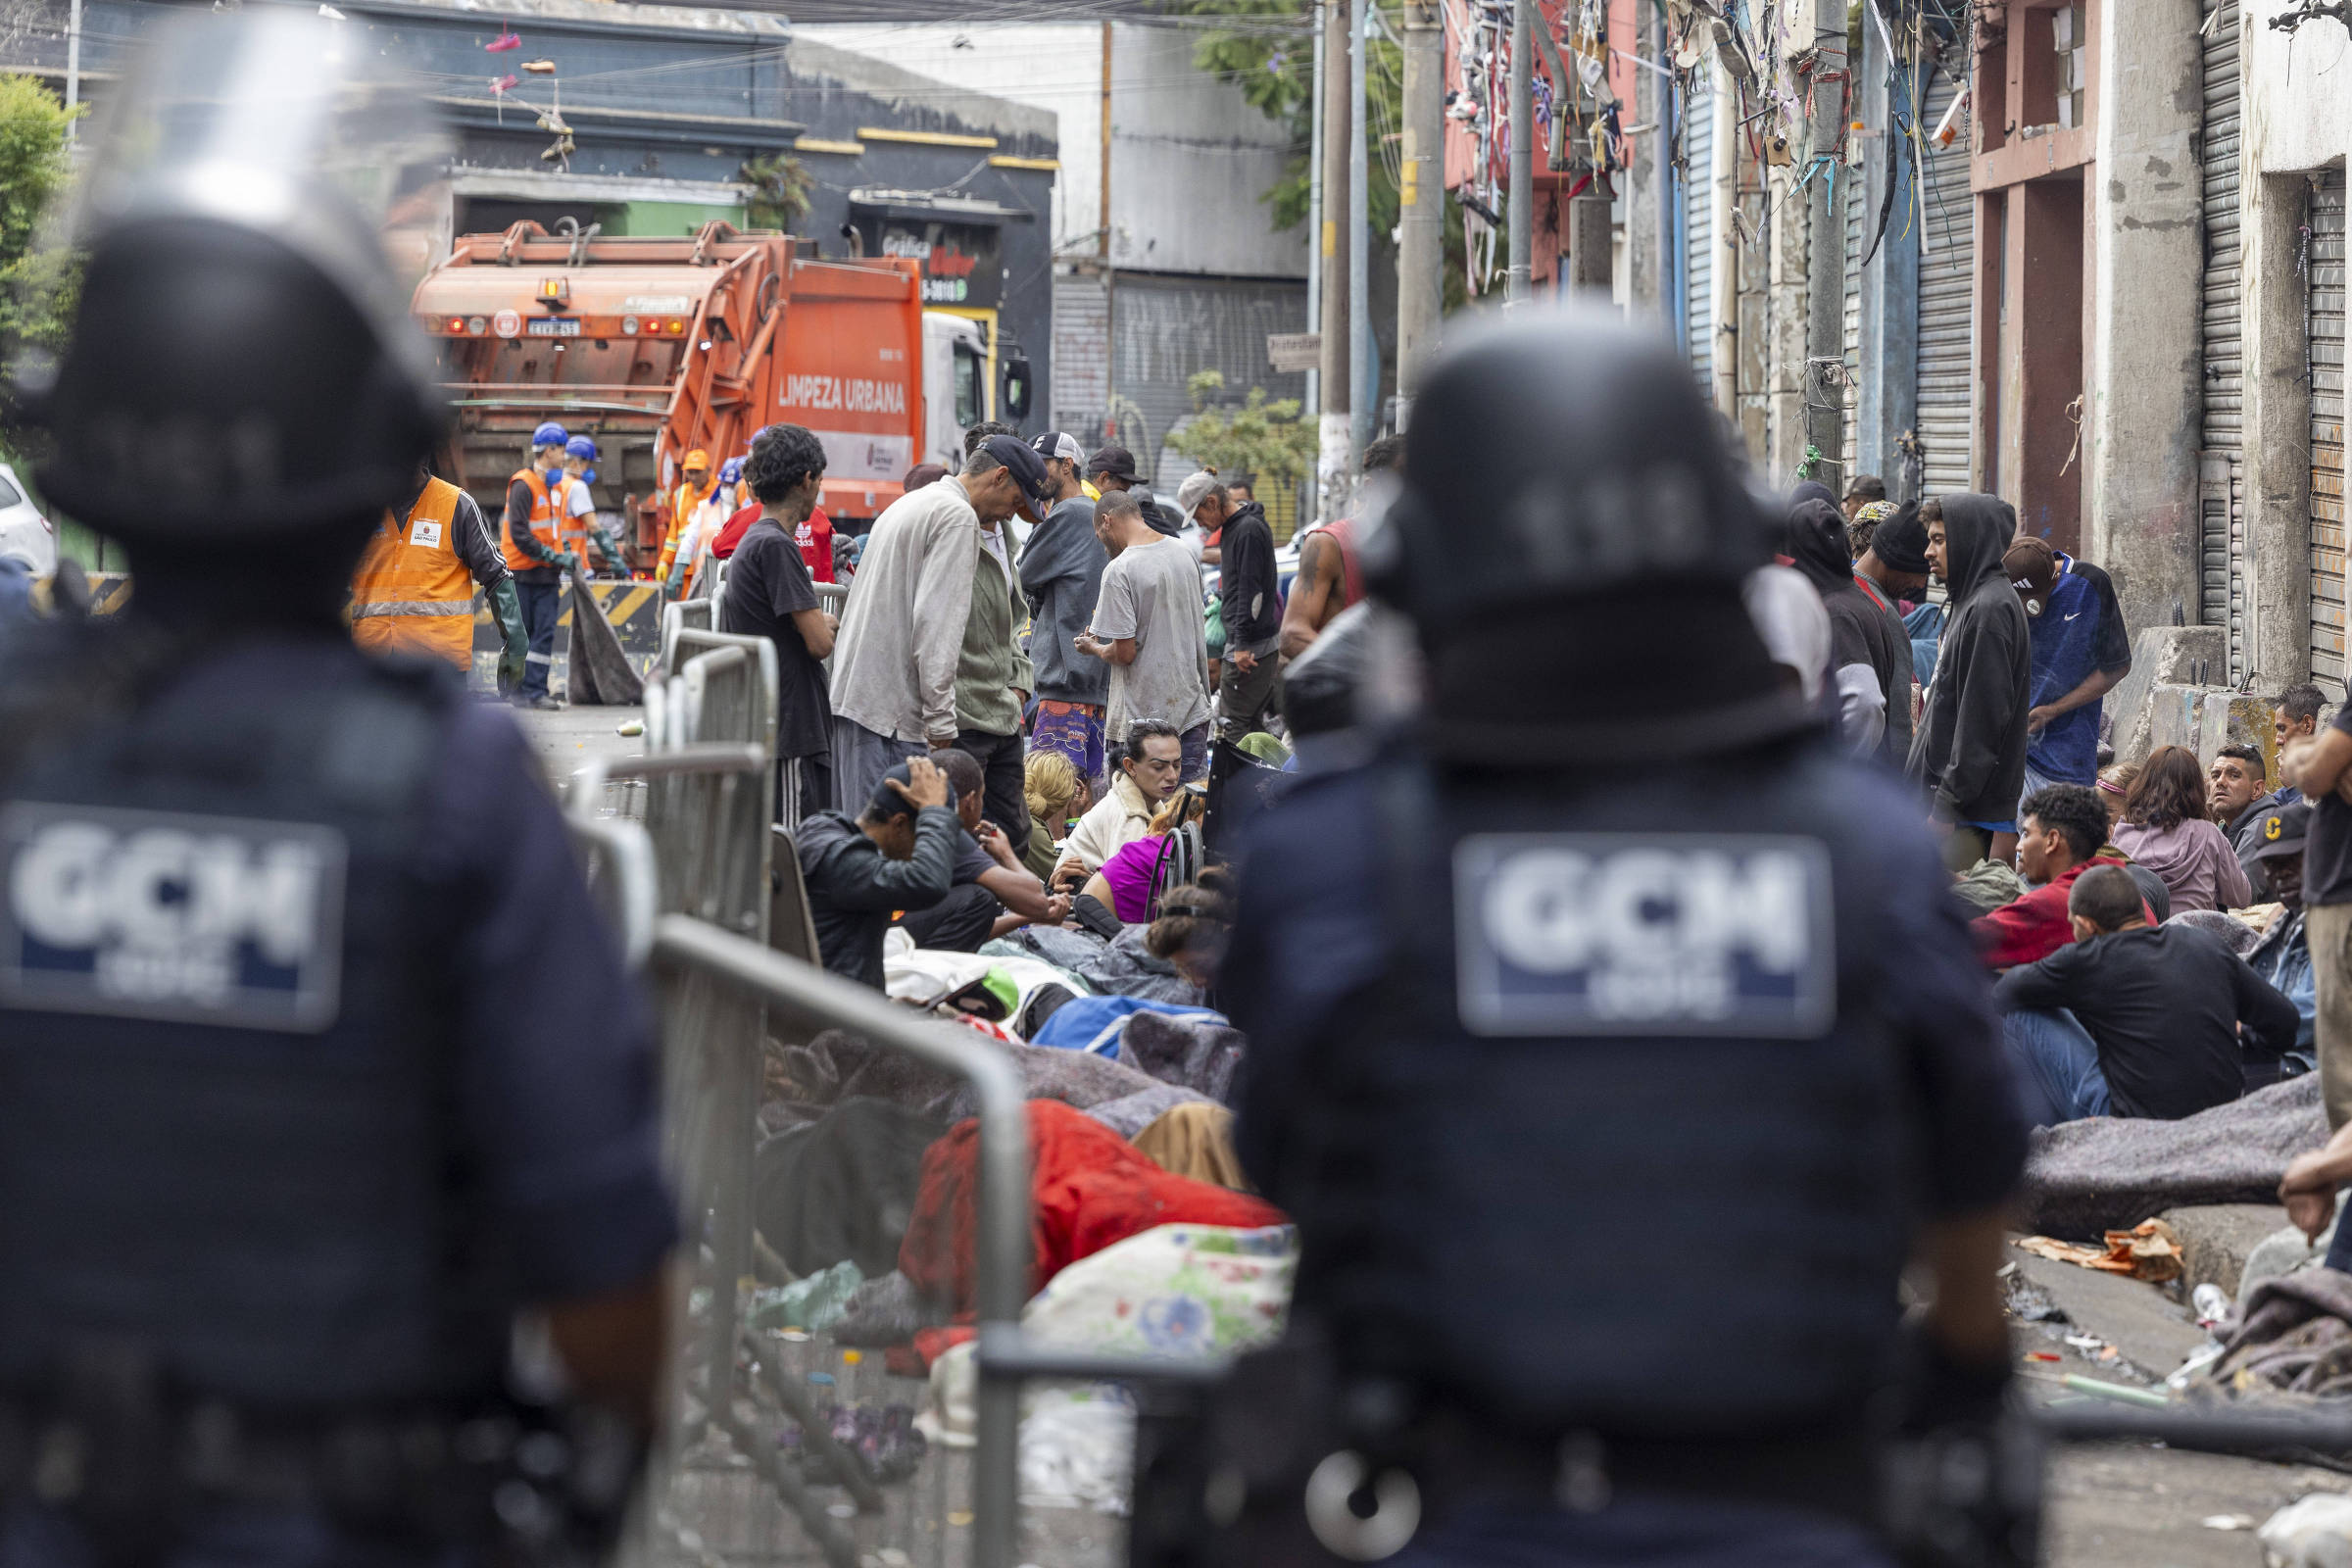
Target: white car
(23, 532)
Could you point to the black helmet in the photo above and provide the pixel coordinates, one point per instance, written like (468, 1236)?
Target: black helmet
(1557, 454)
(242, 361)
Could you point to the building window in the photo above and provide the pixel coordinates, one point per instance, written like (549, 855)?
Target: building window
(2070, 38)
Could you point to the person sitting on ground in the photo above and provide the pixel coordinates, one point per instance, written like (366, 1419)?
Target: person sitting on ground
(1150, 766)
(899, 853)
(2282, 957)
(2133, 1019)
(1056, 795)
(2164, 829)
(2115, 787)
(1194, 920)
(2235, 801)
(990, 891)
(1125, 882)
(2062, 833)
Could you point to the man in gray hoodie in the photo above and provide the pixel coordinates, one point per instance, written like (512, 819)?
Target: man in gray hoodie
(1061, 573)
(1970, 752)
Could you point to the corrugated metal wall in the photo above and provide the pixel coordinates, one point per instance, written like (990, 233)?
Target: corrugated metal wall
(1851, 188)
(2221, 467)
(2324, 322)
(1165, 329)
(1947, 265)
(1698, 219)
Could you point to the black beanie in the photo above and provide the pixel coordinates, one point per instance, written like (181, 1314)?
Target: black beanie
(1901, 541)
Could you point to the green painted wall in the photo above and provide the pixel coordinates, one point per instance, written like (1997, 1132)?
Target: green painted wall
(672, 219)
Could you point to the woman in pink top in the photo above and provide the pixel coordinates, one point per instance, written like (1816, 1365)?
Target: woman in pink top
(2164, 828)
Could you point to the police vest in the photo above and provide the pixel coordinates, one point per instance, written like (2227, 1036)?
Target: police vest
(1618, 1142)
(413, 593)
(225, 1099)
(544, 520)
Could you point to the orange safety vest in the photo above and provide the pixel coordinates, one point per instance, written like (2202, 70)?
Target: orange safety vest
(683, 502)
(573, 531)
(544, 518)
(413, 593)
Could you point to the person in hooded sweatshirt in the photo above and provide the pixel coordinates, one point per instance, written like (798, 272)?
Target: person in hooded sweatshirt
(1970, 752)
(1870, 652)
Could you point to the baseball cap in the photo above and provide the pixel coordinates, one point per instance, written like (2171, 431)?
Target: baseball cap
(1060, 444)
(1196, 485)
(1028, 469)
(2032, 571)
(2282, 832)
(1117, 462)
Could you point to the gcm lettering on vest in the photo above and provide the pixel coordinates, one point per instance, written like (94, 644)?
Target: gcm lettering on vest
(1604, 933)
(145, 914)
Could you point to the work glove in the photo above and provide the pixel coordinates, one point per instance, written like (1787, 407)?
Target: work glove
(567, 561)
(675, 588)
(506, 607)
(610, 550)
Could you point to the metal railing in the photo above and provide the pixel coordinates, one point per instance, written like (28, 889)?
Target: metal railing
(682, 857)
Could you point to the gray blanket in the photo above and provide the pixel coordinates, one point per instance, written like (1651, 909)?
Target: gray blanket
(2109, 1173)
(1200, 1054)
(837, 1066)
(2296, 1338)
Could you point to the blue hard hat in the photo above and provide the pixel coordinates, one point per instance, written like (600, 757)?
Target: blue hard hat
(730, 470)
(549, 434)
(579, 446)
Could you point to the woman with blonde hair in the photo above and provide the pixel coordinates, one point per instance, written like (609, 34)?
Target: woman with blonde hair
(1056, 795)
(2115, 782)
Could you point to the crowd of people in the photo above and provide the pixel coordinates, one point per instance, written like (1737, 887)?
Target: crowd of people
(1010, 719)
(2150, 921)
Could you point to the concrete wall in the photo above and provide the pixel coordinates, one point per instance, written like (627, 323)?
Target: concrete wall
(2143, 400)
(1190, 156)
(2296, 117)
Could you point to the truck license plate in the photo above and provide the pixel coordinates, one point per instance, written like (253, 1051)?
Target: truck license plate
(553, 326)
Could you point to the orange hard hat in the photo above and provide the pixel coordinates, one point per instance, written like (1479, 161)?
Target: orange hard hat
(698, 459)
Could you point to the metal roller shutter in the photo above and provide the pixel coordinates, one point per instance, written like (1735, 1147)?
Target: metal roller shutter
(2222, 469)
(1947, 266)
(2324, 323)
(1698, 210)
(1850, 187)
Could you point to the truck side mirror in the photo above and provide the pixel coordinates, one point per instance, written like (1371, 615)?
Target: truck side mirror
(1015, 376)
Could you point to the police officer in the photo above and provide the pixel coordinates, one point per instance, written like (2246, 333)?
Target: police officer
(317, 1065)
(1615, 1043)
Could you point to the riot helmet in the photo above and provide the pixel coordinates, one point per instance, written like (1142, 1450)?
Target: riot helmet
(1569, 537)
(243, 365)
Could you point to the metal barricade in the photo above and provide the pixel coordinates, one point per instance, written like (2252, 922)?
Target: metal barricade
(686, 614)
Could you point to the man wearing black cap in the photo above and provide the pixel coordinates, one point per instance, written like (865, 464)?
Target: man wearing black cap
(2283, 955)
(1113, 469)
(1561, 955)
(926, 656)
(898, 854)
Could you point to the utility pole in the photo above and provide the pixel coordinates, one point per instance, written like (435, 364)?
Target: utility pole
(1519, 280)
(1825, 254)
(1363, 400)
(1421, 202)
(1313, 403)
(1333, 425)
(73, 68)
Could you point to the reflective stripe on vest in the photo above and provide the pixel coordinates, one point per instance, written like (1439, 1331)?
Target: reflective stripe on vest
(413, 592)
(542, 520)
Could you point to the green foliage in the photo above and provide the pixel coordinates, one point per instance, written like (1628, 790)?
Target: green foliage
(1276, 73)
(37, 289)
(1263, 439)
(780, 187)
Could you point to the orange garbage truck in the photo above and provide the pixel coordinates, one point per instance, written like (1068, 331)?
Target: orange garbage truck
(658, 347)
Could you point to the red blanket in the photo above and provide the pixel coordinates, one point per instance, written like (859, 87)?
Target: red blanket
(1090, 1186)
